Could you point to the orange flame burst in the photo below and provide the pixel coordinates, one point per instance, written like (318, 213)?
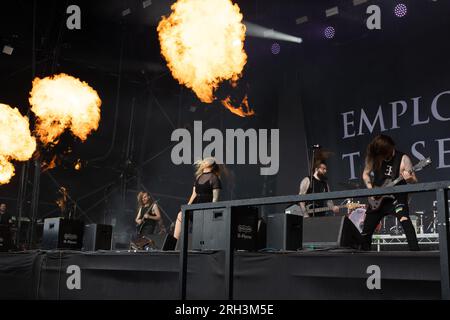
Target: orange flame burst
(77, 165)
(16, 141)
(48, 166)
(239, 110)
(62, 101)
(203, 44)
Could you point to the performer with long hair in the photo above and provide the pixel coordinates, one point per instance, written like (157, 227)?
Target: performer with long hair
(207, 186)
(385, 163)
(148, 214)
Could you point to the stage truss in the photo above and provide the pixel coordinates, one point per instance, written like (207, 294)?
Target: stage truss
(388, 239)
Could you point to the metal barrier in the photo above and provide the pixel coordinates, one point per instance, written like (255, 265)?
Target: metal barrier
(440, 188)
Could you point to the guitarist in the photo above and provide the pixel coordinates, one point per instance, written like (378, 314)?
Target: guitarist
(319, 185)
(148, 215)
(384, 164)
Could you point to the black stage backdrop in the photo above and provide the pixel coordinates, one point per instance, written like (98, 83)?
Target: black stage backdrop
(394, 81)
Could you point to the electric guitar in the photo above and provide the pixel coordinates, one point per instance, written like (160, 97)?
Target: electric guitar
(375, 203)
(139, 227)
(350, 205)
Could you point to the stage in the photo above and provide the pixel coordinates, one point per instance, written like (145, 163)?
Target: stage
(336, 274)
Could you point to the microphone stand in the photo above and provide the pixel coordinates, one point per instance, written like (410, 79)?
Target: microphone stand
(311, 180)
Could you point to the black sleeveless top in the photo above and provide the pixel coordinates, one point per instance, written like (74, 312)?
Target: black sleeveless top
(148, 225)
(319, 187)
(204, 186)
(390, 170)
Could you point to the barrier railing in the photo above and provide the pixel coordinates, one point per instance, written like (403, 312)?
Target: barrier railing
(440, 188)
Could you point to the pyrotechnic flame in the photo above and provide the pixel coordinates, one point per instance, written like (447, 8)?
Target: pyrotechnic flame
(203, 44)
(48, 166)
(78, 165)
(239, 110)
(62, 101)
(6, 170)
(16, 142)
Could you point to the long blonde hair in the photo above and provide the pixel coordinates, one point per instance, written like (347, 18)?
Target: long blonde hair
(209, 162)
(140, 197)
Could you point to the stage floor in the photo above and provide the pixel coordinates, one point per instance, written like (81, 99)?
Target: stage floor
(338, 274)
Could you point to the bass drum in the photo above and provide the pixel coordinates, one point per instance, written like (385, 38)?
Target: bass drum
(357, 216)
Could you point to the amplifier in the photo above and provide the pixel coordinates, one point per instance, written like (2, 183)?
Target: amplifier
(208, 231)
(60, 233)
(5, 238)
(97, 237)
(284, 231)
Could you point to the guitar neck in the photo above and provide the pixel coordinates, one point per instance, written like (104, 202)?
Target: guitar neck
(396, 181)
(400, 178)
(323, 209)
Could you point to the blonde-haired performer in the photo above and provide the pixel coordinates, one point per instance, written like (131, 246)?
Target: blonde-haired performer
(148, 214)
(206, 188)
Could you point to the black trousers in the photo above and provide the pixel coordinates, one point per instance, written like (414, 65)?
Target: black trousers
(399, 210)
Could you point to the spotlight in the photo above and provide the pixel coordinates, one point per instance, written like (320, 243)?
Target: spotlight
(275, 48)
(146, 3)
(400, 10)
(329, 32)
(126, 12)
(7, 50)
(258, 31)
(301, 20)
(358, 2)
(332, 11)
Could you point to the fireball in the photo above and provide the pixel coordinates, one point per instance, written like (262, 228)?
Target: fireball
(16, 142)
(63, 102)
(203, 44)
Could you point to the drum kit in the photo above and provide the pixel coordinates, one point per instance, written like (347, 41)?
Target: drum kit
(422, 223)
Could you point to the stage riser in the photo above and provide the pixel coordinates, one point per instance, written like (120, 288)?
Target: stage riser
(265, 276)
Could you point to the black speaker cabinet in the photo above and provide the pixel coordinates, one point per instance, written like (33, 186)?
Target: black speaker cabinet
(60, 233)
(170, 243)
(208, 232)
(330, 232)
(97, 237)
(5, 238)
(284, 231)
(261, 237)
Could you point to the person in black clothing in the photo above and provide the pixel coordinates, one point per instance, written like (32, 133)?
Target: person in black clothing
(320, 185)
(385, 163)
(148, 215)
(207, 186)
(5, 217)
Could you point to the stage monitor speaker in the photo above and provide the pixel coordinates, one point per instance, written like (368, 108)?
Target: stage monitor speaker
(208, 231)
(60, 233)
(178, 243)
(6, 243)
(330, 232)
(170, 243)
(261, 237)
(284, 231)
(97, 237)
